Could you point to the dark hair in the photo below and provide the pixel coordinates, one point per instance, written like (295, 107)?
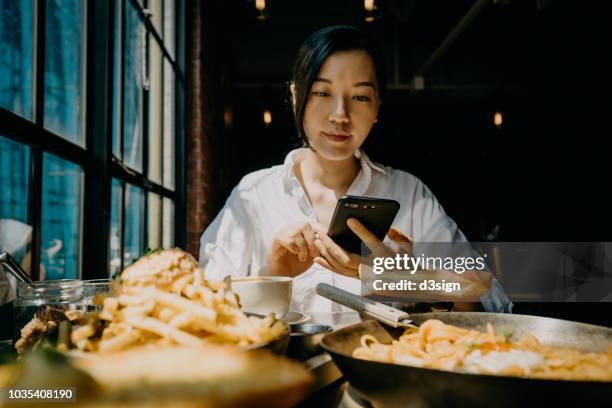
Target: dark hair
(313, 53)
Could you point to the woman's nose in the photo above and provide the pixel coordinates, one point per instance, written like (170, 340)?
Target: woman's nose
(339, 114)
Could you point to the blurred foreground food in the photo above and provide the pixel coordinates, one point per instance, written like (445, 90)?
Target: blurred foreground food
(164, 337)
(208, 376)
(160, 300)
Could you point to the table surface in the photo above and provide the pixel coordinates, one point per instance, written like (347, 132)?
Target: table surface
(323, 368)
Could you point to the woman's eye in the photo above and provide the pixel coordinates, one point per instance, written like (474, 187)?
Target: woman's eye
(319, 93)
(361, 98)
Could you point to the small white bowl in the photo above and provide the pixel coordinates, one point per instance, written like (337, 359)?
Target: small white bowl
(263, 295)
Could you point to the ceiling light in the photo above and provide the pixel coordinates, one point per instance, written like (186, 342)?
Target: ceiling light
(498, 119)
(261, 6)
(267, 117)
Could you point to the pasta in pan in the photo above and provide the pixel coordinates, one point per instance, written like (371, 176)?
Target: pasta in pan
(446, 347)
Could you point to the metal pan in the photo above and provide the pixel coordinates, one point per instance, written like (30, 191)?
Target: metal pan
(390, 385)
(305, 340)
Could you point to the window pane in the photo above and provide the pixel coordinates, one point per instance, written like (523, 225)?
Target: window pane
(155, 112)
(169, 7)
(115, 229)
(156, 7)
(155, 221)
(117, 62)
(16, 56)
(62, 187)
(168, 144)
(132, 241)
(64, 112)
(168, 223)
(15, 233)
(132, 89)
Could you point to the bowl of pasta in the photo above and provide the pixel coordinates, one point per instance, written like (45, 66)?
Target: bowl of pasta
(476, 359)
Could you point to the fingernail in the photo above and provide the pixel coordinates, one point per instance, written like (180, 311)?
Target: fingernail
(350, 222)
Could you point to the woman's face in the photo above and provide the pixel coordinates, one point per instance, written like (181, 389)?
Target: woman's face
(342, 106)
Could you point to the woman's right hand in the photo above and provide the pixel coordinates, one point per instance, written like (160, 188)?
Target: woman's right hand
(292, 250)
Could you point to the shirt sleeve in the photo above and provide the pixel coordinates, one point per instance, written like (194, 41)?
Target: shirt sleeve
(431, 224)
(429, 221)
(225, 246)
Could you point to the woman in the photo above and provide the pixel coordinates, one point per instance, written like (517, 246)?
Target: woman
(275, 221)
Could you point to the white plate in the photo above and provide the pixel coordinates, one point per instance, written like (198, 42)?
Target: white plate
(295, 317)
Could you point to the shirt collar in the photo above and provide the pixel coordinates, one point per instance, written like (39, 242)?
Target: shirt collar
(359, 186)
(365, 161)
(359, 154)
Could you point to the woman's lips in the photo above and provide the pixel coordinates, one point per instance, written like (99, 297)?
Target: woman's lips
(335, 137)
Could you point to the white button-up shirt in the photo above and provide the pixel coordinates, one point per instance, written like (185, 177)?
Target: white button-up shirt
(236, 243)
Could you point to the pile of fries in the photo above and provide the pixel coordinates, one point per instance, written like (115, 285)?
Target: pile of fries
(163, 299)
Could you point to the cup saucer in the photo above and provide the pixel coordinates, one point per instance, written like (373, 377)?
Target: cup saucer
(295, 317)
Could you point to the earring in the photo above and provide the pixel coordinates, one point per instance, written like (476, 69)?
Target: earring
(375, 120)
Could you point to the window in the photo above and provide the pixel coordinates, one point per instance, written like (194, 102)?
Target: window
(15, 228)
(133, 78)
(65, 69)
(115, 229)
(155, 114)
(144, 137)
(154, 221)
(16, 57)
(62, 202)
(88, 133)
(14, 176)
(133, 245)
(168, 226)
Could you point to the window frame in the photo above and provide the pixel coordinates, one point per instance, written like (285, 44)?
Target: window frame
(96, 159)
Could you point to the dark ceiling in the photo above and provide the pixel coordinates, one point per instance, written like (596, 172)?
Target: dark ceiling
(458, 46)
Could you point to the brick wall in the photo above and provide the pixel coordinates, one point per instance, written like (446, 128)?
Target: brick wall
(203, 105)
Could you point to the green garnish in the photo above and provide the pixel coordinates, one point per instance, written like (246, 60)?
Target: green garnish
(150, 251)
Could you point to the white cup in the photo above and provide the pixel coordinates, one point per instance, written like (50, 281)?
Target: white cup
(263, 295)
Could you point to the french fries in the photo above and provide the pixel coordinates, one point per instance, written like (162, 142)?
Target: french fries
(164, 299)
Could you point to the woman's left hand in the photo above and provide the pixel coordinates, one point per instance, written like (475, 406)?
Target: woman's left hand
(333, 257)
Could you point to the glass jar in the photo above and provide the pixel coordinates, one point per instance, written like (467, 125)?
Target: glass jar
(63, 294)
(93, 288)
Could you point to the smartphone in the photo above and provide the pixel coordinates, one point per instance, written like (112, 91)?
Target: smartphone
(376, 214)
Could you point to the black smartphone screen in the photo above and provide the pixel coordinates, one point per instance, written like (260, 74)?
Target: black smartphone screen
(376, 214)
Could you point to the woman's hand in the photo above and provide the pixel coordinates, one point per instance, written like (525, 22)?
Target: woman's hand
(292, 250)
(333, 257)
(380, 249)
(336, 259)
